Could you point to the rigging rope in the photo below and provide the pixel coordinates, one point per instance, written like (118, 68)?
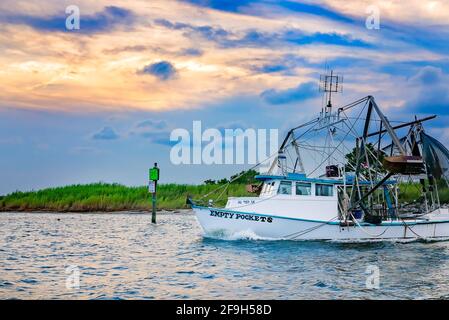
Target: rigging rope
(368, 233)
(237, 177)
(308, 230)
(341, 142)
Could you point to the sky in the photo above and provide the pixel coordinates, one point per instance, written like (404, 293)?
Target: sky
(98, 103)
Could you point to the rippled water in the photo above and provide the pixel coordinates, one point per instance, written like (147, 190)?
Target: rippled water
(124, 256)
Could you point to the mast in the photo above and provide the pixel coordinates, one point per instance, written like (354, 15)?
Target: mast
(330, 83)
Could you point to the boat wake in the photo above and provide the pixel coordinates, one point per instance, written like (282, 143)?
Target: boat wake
(223, 234)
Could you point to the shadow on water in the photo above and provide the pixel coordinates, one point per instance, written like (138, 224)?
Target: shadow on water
(310, 245)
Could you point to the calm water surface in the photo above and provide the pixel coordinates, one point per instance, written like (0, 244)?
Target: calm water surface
(124, 256)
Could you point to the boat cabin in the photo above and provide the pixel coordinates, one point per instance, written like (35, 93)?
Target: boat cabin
(302, 188)
(297, 196)
(293, 195)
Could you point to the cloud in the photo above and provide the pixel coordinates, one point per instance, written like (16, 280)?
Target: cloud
(428, 91)
(317, 10)
(433, 37)
(154, 131)
(107, 133)
(132, 48)
(298, 37)
(163, 70)
(60, 70)
(169, 25)
(109, 18)
(272, 68)
(302, 92)
(284, 69)
(254, 38)
(175, 52)
(294, 6)
(410, 68)
(428, 76)
(153, 124)
(257, 38)
(224, 5)
(285, 65)
(194, 52)
(161, 137)
(208, 32)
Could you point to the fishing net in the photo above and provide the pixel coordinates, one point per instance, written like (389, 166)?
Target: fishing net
(436, 157)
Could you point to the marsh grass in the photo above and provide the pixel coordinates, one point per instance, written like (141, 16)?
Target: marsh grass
(102, 197)
(110, 197)
(411, 192)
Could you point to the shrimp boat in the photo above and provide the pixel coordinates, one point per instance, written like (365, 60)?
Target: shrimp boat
(342, 176)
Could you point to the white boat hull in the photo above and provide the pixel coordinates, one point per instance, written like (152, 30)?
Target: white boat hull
(227, 223)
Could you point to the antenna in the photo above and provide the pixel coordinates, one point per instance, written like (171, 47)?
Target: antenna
(330, 83)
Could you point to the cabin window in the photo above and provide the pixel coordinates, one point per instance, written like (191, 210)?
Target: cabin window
(267, 188)
(285, 187)
(324, 190)
(303, 189)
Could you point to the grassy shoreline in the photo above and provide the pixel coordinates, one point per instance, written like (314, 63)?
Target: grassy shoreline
(102, 197)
